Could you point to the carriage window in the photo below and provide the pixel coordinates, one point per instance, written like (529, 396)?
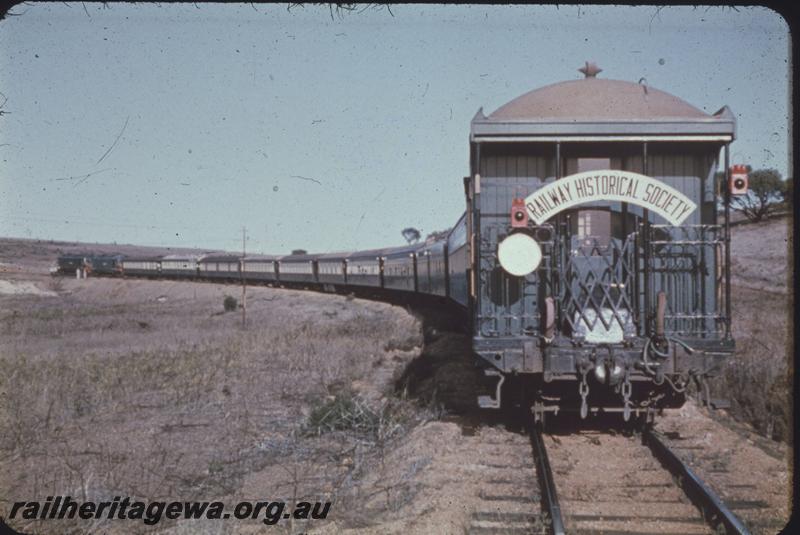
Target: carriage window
(592, 228)
(593, 222)
(593, 164)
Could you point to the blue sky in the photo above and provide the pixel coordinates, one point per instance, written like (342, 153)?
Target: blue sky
(320, 133)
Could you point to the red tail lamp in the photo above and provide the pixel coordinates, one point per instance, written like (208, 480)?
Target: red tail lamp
(738, 180)
(519, 214)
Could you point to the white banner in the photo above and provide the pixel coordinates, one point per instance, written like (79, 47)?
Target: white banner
(608, 185)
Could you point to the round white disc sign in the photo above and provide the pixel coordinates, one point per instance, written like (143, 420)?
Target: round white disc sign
(519, 254)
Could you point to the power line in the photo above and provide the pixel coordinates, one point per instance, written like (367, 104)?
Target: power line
(244, 279)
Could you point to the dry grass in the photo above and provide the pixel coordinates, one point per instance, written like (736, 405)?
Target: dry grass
(758, 378)
(141, 388)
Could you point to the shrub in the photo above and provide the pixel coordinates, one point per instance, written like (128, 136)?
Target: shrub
(345, 412)
(350, 412)
(760, 394)
(230, 303)
(403, 343)
(56, 283)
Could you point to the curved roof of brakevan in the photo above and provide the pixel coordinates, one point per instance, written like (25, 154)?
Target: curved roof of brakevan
(597, 106)
(597, 98)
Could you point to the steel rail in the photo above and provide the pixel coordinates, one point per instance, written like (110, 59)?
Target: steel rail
(705, 498)
(546, 481)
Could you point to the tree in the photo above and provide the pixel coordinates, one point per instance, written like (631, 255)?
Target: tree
(766, 190)
(411, 234)
(437, 235)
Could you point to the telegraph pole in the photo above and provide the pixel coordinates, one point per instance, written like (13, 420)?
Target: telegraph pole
(244, 280)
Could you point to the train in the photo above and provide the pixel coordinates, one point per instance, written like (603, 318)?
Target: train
(433, 268)
(591, 260)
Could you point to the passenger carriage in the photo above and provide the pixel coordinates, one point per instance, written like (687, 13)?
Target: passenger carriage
(260, 268)
(364, 268)
(180, 265)
(432, 268)
(400, 268)
(220, 267)
(458, 266)
(331, 268)
(297, 268)
(149, 266)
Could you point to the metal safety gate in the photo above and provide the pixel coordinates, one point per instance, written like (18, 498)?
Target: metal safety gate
(598, 287)
(607, 288)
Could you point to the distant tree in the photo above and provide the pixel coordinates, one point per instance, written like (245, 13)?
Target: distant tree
(411, 234)
(437, 235)
(299, 251)
(766, 190)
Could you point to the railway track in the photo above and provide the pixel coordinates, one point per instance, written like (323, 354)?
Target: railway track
(747, 478)
(510, 503)
(620, 484)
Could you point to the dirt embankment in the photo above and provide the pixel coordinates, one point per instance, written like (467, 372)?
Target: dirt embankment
(761, 256)
(757, 380)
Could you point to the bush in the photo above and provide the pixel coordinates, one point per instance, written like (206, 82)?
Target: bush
(349, 412)
(345, 412)
(57, 283)
(406, 343)
(230, 303)
(760, 394)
